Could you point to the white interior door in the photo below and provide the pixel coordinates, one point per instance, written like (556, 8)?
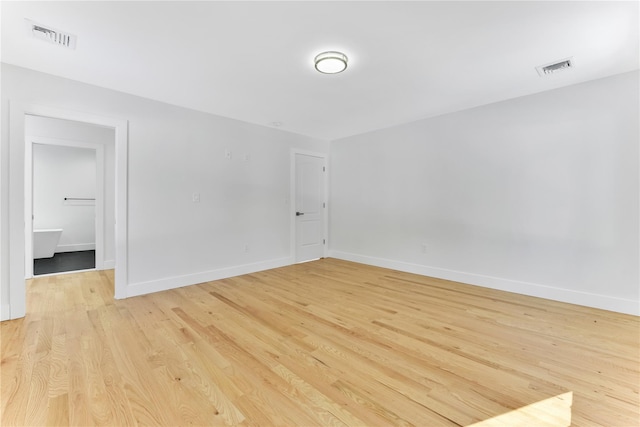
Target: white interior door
(310, 207)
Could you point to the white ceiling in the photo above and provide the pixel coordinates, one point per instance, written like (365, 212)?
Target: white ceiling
(253, 61)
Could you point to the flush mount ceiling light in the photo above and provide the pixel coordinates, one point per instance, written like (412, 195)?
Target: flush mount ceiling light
(331, 62)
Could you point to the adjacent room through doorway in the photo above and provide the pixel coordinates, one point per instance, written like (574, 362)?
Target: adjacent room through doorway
(72, 196)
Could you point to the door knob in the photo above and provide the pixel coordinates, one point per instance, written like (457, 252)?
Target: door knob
(299, 213)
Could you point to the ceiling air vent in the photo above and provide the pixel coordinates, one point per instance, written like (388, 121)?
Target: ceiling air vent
(555, 67)
(51, 35)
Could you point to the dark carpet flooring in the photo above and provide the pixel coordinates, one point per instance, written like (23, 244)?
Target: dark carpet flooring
(65, 261)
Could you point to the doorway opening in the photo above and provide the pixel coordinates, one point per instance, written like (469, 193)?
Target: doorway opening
(20, 220)
(66, 229)
(70, 197)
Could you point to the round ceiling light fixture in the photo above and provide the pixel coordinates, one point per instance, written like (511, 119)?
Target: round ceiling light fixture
(331, 62)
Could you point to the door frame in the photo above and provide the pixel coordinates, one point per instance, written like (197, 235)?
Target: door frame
(292, 200)
(28, 197)
(17, 190)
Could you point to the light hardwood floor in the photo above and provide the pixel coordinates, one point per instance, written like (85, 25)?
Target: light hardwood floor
(316, 344)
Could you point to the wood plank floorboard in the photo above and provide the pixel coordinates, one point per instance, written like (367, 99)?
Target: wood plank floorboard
(324, 343)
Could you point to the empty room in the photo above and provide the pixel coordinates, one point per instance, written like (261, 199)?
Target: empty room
(320, 213)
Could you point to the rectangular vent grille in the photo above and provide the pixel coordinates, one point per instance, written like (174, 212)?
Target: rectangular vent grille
(556, 67)
(51, 35)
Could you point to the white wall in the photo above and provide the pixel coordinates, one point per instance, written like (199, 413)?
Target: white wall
(65, 172)
(173, 153)
(537, 195)
(71, 132)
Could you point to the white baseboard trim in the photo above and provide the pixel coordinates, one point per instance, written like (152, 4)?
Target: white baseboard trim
(604, 302)
(76, 247)
(5, 312)
(109, 264)
(151, 286)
